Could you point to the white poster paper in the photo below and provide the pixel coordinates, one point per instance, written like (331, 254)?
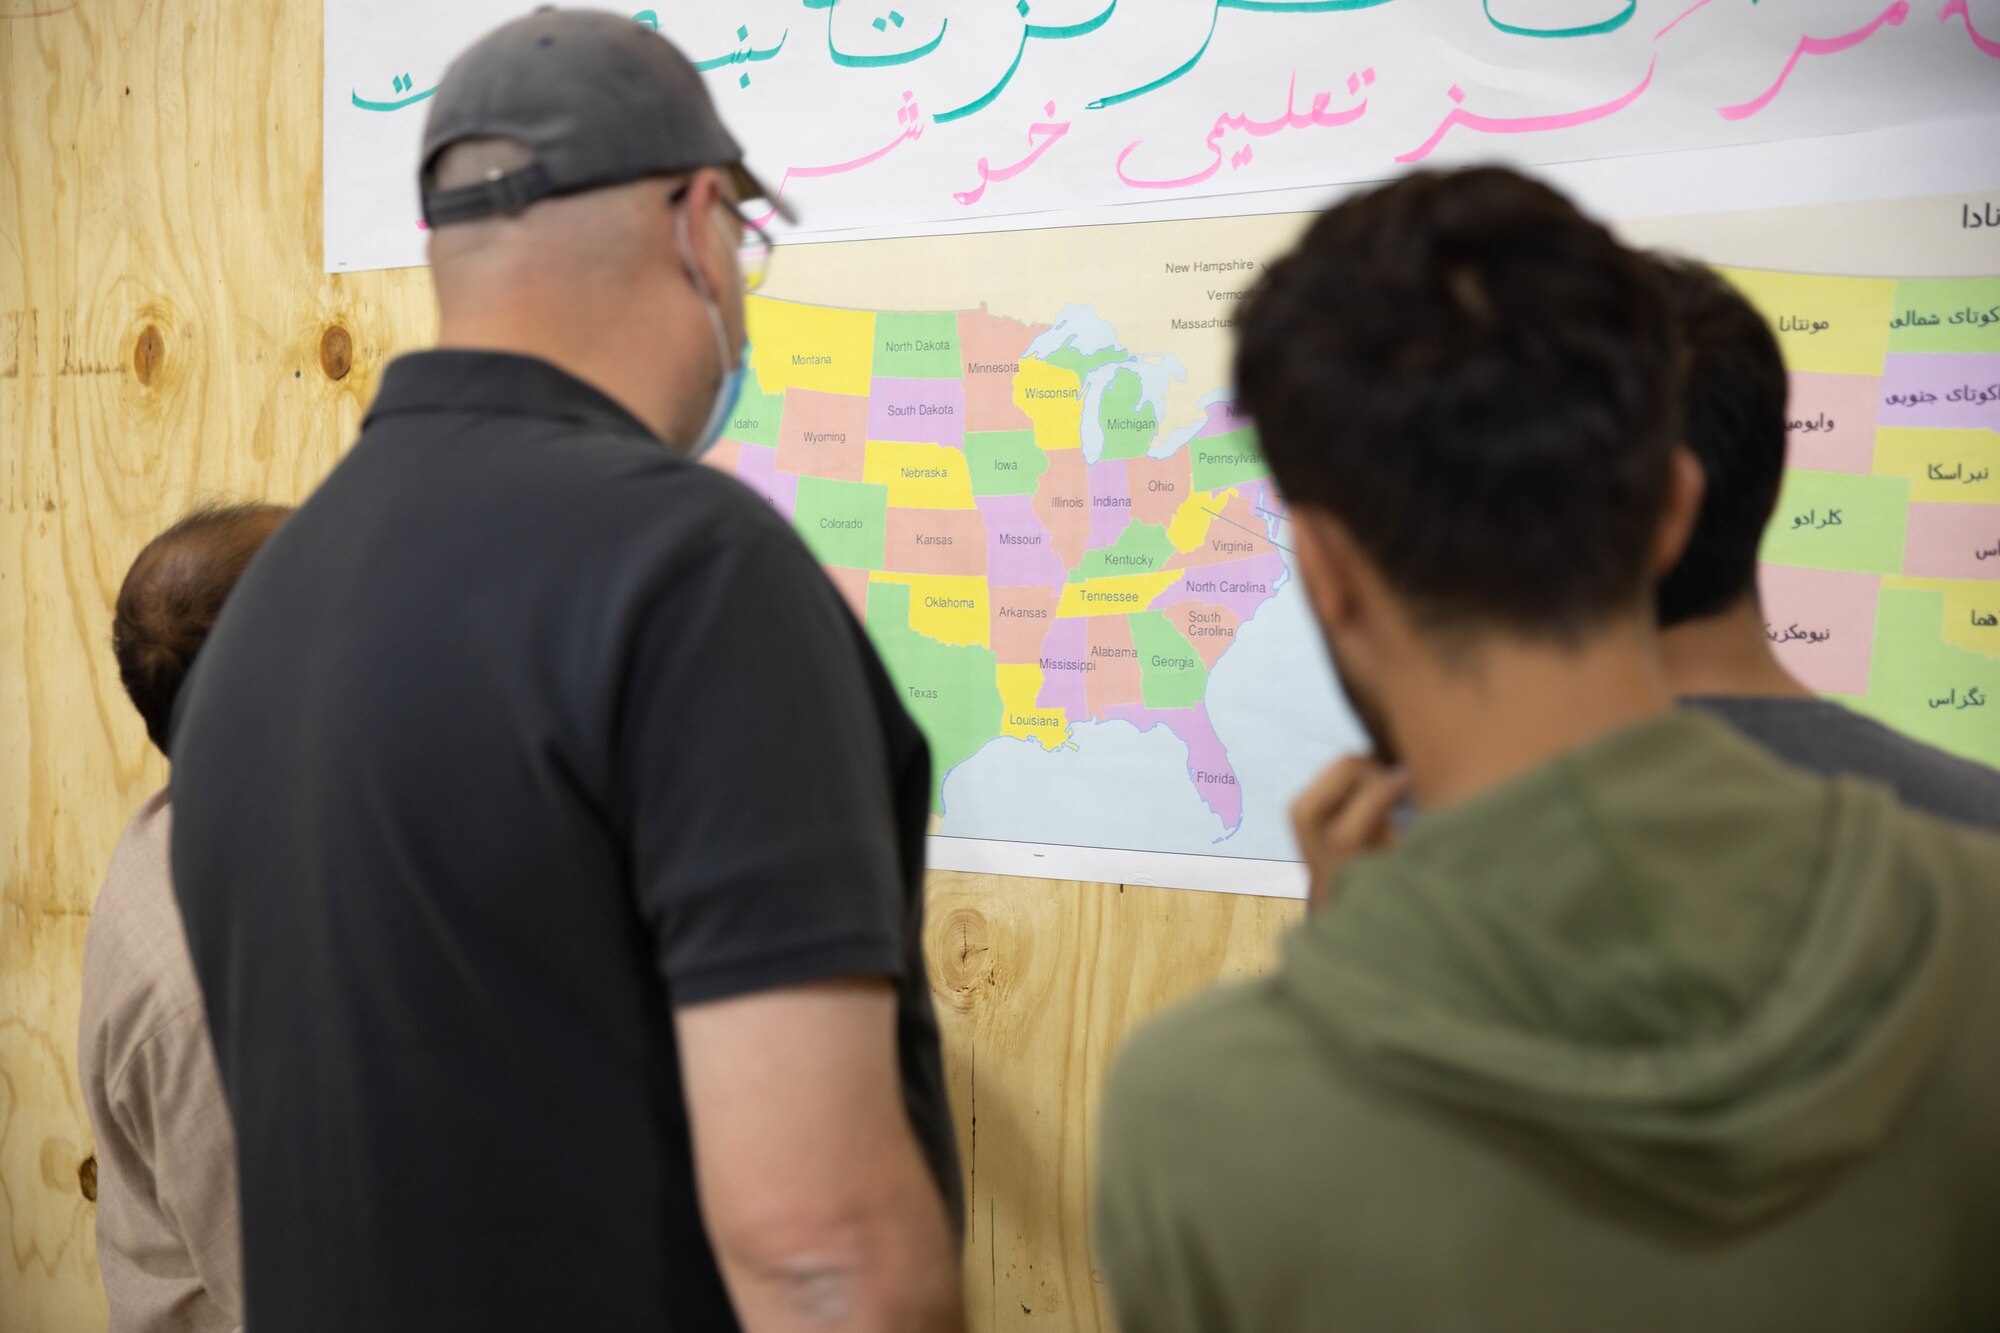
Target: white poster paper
(909, 116)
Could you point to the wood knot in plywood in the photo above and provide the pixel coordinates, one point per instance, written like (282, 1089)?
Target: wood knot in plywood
(149, 354)
(963, 954)
(86, 1177)
(336, 352)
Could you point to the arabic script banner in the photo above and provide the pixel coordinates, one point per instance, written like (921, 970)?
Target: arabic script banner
(919, 115)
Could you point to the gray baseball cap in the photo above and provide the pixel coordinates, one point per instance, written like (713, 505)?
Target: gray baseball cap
(599, 99)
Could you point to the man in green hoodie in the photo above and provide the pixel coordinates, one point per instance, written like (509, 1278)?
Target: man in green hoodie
(1635, 1028)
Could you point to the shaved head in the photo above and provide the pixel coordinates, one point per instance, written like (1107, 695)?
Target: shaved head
(598, 238)
(633, 288)
(171, 597)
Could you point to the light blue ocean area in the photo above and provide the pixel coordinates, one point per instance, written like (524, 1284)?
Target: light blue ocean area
(1274, 704)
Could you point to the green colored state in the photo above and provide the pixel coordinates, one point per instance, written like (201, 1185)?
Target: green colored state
(1129, 430)
(1946, 315)
(1004, 462)
(1140, 549)
(1068, 358)
(1927, 688)
(844, 523)
(1839, 520)
(1224, 460)
(1171, 674)
(755, 417)
(952, 690)
(918, 346)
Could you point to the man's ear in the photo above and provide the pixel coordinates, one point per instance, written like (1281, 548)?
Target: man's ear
(1687, 483)
(712, 247)
(699, 244)
(1326, 562)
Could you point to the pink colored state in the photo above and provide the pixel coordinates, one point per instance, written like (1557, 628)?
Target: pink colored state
(1110, 502)
(1919, 389)
(1236, 533)
(1115, 679)
(1835, 605)
(1208, 762)
(990, 349)
(935, 541)
(1018, 550)
(1062, 502)
(757, 468)
(921, 411)
(1222, 419)
(852, 584)
(1830, 424)
(1065, 664)
(723, 456)
(1241, 585)
(1159, 486)
(1952, 542)
(1022, 618)
(1210, 628)
(823, 434)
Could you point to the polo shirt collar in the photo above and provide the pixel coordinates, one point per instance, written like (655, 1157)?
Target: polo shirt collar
(495, 383)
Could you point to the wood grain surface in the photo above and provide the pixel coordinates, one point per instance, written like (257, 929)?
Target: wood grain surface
(166, 336)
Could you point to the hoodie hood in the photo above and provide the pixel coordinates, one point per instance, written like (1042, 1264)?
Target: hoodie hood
(1714, 978)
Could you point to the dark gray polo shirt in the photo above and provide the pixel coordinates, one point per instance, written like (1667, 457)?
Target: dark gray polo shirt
(521, 733)
(1825, 737)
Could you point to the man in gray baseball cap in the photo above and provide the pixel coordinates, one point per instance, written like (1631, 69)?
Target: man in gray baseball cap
(568, 103)
(548, 835)
(597, 101)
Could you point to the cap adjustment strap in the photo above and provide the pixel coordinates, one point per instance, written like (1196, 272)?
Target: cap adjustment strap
(502, 194)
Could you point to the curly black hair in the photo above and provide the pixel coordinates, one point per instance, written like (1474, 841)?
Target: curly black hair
(1477, 381)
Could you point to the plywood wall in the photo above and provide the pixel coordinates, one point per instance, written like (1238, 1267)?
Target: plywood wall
(166, 335)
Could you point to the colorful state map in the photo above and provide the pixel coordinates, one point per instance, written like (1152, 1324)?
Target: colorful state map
(998, 503)
(1881, 576)
(1091, 612)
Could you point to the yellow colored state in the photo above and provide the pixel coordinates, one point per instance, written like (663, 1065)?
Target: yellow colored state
(795, 346)
(1119, 595)
(951, 608)
(1188, 528)
(1020, 715)
(1944, 466)
(1838, 325)
(919, 476)
(1967, 602)
(1052, 398)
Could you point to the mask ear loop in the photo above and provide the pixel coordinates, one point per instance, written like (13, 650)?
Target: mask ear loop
(709, 304)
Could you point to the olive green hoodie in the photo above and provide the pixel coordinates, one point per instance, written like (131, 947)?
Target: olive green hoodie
(1663, 1035)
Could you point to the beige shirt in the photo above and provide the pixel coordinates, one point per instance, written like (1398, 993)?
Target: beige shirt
(167, 1234)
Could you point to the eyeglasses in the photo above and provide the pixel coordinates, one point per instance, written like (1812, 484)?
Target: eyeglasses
(753, 243)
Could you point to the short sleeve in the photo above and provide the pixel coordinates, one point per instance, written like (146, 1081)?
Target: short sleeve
(758, 783)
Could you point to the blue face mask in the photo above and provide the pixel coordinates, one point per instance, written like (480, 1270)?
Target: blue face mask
(726, 394)
(730, 388)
